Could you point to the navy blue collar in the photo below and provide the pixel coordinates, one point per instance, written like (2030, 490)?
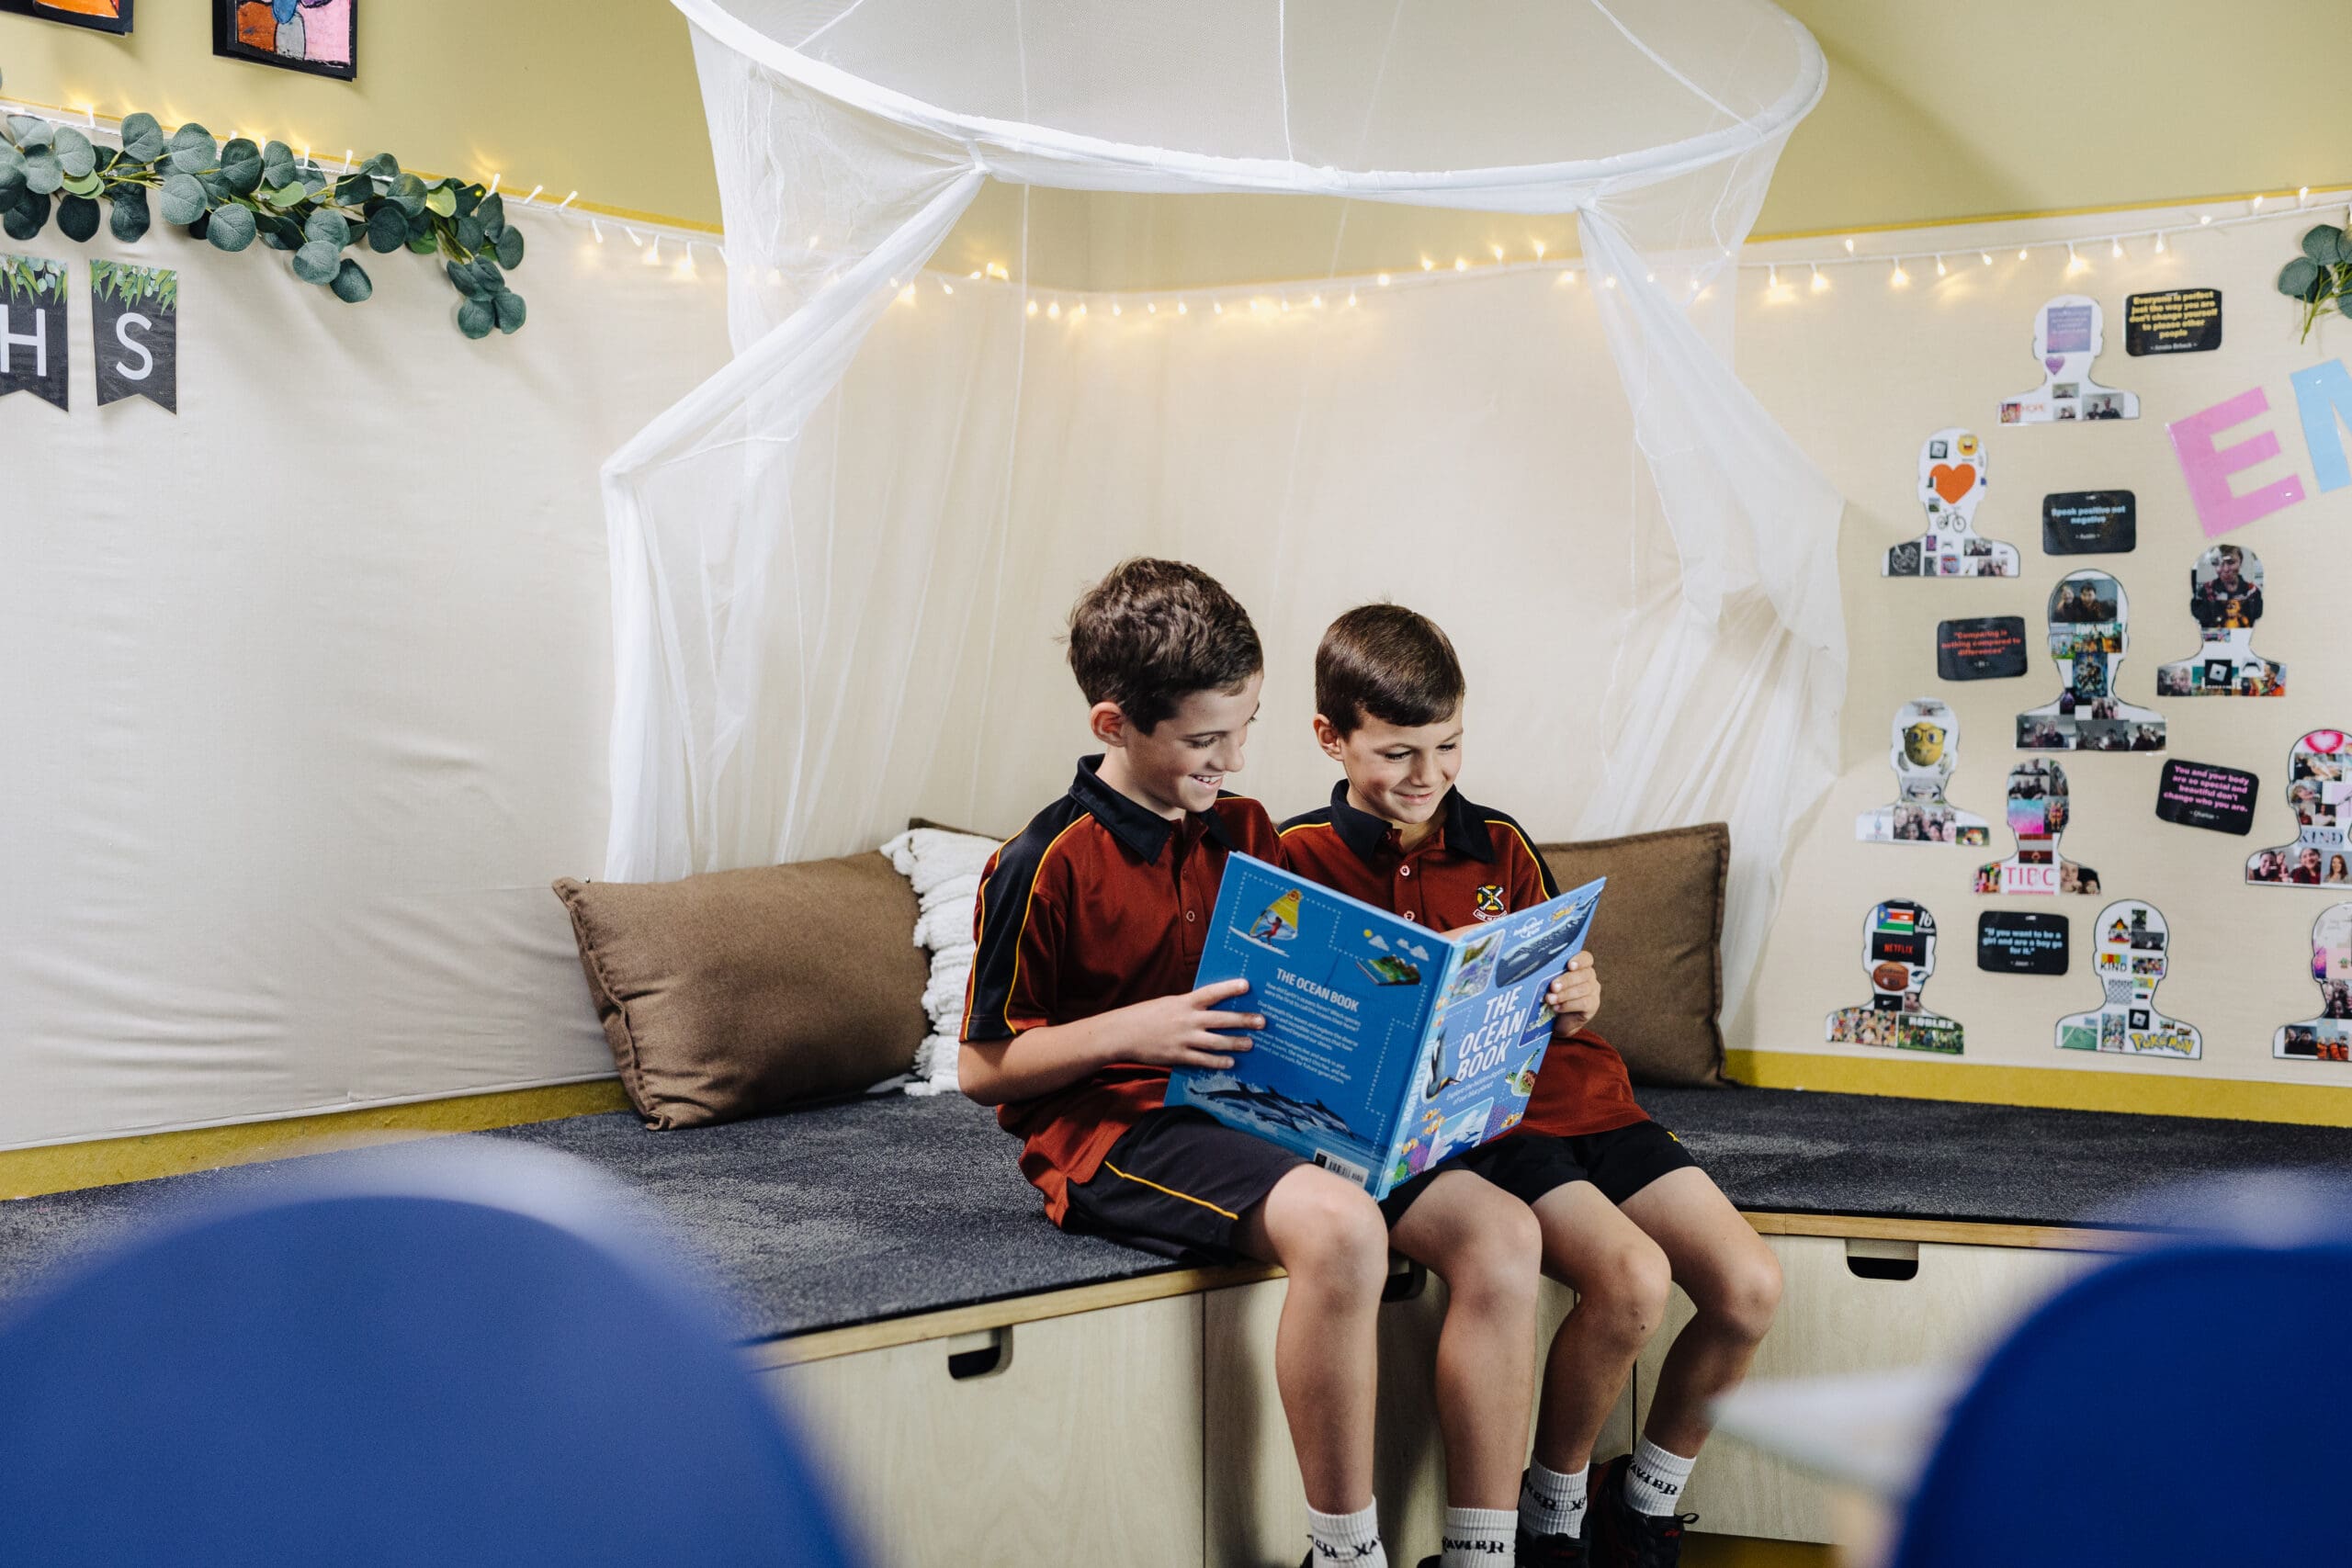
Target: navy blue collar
(1466, 826)
(1140, 830)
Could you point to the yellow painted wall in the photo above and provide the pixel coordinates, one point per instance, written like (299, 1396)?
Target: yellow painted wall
(1932, 113)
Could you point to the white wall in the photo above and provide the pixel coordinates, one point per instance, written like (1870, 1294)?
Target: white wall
(307, 689)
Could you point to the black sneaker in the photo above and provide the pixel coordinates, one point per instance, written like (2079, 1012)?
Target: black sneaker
(1550, 1550)
(1623, 1536)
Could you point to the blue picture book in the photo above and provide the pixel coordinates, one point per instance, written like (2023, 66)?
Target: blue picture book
(1387, 1046)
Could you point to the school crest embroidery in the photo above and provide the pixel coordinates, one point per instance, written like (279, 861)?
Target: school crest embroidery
(1490, 902)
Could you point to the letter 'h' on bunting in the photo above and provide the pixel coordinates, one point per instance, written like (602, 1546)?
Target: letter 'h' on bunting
(32, 328)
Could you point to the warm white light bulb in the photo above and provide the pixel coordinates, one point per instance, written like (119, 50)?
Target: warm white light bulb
(1771, 277)
(1539, 250)
(1940, 266)
(1987, 255)
(1898, 277)
(1033, 307)
(1055, 309)
(1849, 246)
(2115, 248)
(2160, 242)
(1461, 263)
(1184, 309)
(1819, 282)
(1384, 280)
(1497, 250)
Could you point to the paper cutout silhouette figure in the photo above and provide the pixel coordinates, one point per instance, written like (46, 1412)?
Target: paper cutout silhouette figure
(2069, 332)
(1898, 954)
(2320, 794)
(1952, 481)
(2328, 1037)
(2132, 944)
(2225, 595)
(2038, 815)
(1925, 751)
(2090, 631)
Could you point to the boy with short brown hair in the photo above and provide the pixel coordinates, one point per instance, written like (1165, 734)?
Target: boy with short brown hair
(1623, 1209)
(1089, 927)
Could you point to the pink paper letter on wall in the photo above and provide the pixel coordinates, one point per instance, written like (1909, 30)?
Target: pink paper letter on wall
(2207, 468)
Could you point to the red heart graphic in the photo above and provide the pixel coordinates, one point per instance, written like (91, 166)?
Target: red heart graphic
(1952, 482)
(2325, 741)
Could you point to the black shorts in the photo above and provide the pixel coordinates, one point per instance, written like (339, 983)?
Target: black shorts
(1176, 1183)
(1620, 1162)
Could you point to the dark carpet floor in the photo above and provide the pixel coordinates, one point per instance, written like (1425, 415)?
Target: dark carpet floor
(849, 1213)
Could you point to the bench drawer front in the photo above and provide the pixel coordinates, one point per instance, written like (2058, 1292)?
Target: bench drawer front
(1257, 1512)
(1084, 1440)
(1833, 1318)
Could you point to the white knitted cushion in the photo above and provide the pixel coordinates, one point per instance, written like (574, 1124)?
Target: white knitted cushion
(944, 869)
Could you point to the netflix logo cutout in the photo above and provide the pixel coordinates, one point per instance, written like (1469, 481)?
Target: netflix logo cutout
(134, 315)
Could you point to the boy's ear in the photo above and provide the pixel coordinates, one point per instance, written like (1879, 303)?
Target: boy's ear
(1327, 736)
(1107, 722)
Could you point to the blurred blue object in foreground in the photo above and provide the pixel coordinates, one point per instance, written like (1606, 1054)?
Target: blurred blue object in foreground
(478, 1355)
(2126, 1418)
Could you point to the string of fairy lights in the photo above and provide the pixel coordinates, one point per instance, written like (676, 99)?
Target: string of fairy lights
(1785, 277)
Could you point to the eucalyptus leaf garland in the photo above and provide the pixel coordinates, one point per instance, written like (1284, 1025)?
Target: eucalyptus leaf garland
(231, 194)
(2322, 275)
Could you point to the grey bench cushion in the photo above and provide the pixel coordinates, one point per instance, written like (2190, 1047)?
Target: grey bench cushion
(848, 1214)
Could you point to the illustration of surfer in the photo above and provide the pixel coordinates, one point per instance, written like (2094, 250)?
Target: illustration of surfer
(1279, 922)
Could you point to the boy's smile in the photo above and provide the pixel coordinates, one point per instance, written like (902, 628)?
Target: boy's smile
(1397, 772)
(1180, 764)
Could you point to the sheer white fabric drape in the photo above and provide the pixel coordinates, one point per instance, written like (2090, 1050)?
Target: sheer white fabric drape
(835, 592)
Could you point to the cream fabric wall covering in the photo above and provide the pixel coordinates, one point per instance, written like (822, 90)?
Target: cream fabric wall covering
(306, 690)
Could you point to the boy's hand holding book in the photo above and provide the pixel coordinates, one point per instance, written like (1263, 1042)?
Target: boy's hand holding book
(1574, 996)
(1188, 1031)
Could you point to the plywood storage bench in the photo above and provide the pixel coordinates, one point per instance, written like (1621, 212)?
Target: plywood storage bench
(993, 1391)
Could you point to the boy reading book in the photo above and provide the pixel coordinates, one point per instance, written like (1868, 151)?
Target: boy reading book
(1089, 925)
(1622, 1208)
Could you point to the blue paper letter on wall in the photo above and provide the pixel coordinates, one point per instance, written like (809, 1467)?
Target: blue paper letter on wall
(2323, 394)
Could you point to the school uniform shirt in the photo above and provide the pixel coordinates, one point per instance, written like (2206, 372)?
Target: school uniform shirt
(1099, 903)
(1479, 866)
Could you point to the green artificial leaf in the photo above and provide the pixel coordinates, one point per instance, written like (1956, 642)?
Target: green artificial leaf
(420, 226)
(493, 213)
(387, 229)
(77, 217)
(461, 278)
(468, 230)
(143, 139)
(85, 186)
(2324, 245)
(232, 227)
(285, 196)
(129, 219)
(469, 198)
(31, 133)
(277, 167)
(12, 172)
(42, 172)
(241, 167)
(351, 283)
(108, 157)
(29, 216)
(422, 244)
(74, 154)
(355, 190)
(201, 227)
(510, 313)
(183, 199)
(326, 228)
(384, 166)
(510, 249)
(317, 262)
(278, 232)
(2297, 277)
(487, 273)
(409, 191)
(475, 319)
(314, 179)
(2344, 303)
(193, 151)
(441, 199)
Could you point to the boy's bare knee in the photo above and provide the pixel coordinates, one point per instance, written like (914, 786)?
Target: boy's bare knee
(1748, 1296)
(1628, 1290)
(1501, 1262)
(1335, 1237)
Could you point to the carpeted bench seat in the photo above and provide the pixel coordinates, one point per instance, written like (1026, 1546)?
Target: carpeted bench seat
(880, 1208)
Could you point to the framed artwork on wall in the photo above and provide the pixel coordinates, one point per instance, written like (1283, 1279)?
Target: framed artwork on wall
(103, 16)
(321, 36)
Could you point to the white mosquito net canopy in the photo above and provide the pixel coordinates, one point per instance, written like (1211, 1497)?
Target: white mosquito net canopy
(841, 566)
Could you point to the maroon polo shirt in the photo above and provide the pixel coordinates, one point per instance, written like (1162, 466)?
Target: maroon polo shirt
(1479, 865)
(1099, 903)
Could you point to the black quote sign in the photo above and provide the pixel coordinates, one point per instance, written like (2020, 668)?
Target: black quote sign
(2200, 794)
(2178, 320)
(32, 328)
(2089, 522)
(135, 317)
(2012, 943)
(1990, 648)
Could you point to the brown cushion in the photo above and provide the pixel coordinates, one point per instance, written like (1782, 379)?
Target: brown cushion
(740, 992)
(1657, 943)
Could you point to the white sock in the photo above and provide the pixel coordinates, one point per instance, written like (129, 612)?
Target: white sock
(1352, 1541)
(1478, 1538)
(1654, 1480)
(1550, 1503)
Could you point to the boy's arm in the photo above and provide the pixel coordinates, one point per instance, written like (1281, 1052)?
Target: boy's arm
(1168, 1032)
(1575, 996)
